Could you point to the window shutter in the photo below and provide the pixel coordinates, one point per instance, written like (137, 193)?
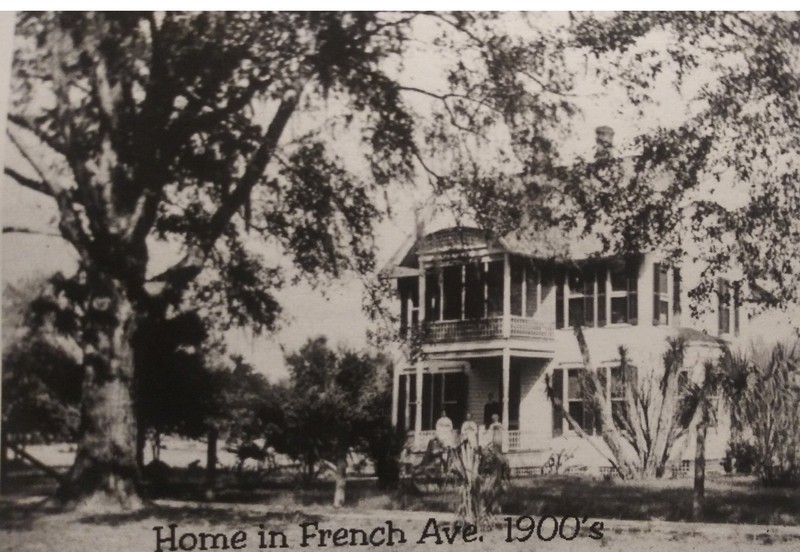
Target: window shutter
(737, 299)
(432, 297)
(588, 297)
(676, 293)
(426, 400)
(402, 401)
(723, 310)
(558, 390)
(404, 298)
(633, 301)
(601, 297)
(560, 301)
(656, 293)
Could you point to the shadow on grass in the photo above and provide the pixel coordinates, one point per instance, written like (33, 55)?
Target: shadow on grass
(728, 500)
(214, 517)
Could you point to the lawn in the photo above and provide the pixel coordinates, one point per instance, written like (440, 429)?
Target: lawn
(635, 515)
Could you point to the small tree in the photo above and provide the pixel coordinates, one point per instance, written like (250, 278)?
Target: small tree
(765, 408)
(653, 414)
(332, 408)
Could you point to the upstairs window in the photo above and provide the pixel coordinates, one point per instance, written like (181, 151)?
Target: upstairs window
(598, 295)
(452, 292)
(660, 294)
(581, 297)
(409, 303)
(623, 285)
(729, 299)
(724, 306)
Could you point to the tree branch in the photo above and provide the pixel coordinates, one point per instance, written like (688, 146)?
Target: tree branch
(180, 274)
(26, 230)
(30, 183)
(33, 126)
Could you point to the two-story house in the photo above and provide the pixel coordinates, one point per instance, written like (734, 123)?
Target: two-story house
(491, 321)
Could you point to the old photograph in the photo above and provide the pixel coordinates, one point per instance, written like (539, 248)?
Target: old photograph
(435, 280)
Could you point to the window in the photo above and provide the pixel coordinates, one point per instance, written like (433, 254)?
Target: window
(409, 303)
(623, 301)
(581, 297)
(474, 301)
(597, 295)
(517, 287)
(443, 391)
(575, 395)
(620, 379)
(407, 401)
(451, 284)
(724, 306)
(433, 298)
(494, 288)
(660, 294)
(579, 404)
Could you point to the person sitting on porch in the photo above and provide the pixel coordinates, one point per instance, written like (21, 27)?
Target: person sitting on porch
(444, 430)
(469, 430)
(491, 408)
(496, 432)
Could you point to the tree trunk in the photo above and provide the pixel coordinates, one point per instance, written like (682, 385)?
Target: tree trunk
(211, 458)
(699, 471)
(141, 442)
(626, 462)
(3, 459)
(105, 476)
(341, 478)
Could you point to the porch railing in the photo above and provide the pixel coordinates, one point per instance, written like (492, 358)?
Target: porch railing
(444, 331)
(517, 440)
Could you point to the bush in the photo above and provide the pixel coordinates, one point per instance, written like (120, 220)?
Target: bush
(765, 405)
(741, 456)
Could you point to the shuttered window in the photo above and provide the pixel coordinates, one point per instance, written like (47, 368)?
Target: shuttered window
(724, 306)
(660, 294)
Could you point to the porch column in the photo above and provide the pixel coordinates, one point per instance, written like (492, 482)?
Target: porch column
(395, 394)
(423, 308)
(506, 297)
(506, 381)
(418, 416)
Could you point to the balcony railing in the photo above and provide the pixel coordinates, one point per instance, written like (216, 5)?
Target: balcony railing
(445, 331)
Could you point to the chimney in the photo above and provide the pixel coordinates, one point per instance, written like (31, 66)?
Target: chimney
(604, 142)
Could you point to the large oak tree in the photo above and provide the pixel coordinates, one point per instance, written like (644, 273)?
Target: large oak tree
(211, 132)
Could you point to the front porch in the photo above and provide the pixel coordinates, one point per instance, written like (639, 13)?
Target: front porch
(510, 386)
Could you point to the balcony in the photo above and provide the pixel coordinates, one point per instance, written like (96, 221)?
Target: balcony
(453, 331)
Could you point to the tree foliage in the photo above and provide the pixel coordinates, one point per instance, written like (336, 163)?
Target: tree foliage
(764, 402)
(737, 76)
(338, 404)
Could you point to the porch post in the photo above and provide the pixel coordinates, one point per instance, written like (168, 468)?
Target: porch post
(395, 394)
(506, 381)
(506, 296)
(423, 308)
(418, 416)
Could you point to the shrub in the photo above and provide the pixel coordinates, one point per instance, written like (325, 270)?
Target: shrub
(765, 404)
(741, 456)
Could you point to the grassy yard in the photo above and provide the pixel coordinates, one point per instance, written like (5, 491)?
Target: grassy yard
(728, 499)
